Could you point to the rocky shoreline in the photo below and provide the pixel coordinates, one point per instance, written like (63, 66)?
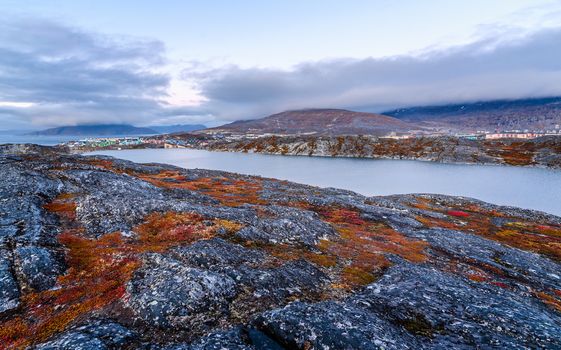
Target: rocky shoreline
(101, 253)
(544, 152)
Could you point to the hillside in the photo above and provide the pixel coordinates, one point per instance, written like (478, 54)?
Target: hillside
(321, 122)
(102, 253)
(544, 152)
(170, 129)
(522, 114)
(96, 130)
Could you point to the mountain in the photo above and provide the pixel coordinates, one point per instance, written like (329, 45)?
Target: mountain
(521, 114)
(97, 130)
(170, 129)
(321, 122)
(16, 131)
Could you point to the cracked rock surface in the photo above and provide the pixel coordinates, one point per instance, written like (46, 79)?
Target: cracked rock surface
(101, 253)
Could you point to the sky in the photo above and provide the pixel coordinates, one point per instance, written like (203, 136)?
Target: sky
(67, 62)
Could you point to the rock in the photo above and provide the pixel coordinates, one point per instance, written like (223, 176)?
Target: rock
(515, 264)
(9, 291)
(289, 225)
(458, 313)
(29, 148)
(23, 194)
(216, 254)
(234, 339)
(348, 272)
(165, 292)
(331, 325)
(294, 278)
(38, 267)
(95, 335)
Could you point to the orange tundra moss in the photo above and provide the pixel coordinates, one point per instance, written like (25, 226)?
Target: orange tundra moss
(362, 245)
(98, 270)
(228, 192)
(63, 206)
(542, 239)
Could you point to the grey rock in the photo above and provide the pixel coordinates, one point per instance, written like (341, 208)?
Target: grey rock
(459, 313)
(332, 325)
(93, 336)
(232, 339)
(516, 264)
(234, 291)
(216, 254)
(9, 290)
(165, 292)
(38, 267)
(290, 226)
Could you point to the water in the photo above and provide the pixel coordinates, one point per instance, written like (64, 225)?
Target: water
(39, 140)
(51, 140)
(531, 188)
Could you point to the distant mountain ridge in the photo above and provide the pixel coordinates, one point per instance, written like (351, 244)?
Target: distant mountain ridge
(521, 114)
(321, 122)
(169, 129)
(97, 130)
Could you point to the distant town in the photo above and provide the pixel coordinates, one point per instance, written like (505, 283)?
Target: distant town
(201, 140)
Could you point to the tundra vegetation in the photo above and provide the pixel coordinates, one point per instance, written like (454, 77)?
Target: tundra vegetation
(98, 252)
(545, 151)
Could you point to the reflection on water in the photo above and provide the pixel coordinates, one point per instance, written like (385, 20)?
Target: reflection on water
(531, 188)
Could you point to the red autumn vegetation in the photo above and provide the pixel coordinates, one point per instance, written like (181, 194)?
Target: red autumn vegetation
(362, 246)
(98, 270)
(458, 213)
(538, 238)
(228, 192)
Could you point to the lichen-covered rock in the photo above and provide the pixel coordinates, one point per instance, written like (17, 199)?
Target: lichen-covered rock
(9, 291)
(165, 292)
(294, 278)
(38, 267)
(289, 225)
(234, 339)
(98, 335)
(23, 193)
(515, 264)
(331, 325)
(217, 254)
(99, 253)
(459, 313)
(251, 270)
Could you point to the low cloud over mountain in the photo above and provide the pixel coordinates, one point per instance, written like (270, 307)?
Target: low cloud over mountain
(53, 74)
(525, 65)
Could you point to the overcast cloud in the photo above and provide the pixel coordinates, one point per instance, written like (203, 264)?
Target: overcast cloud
(53, 74)
(514, 66)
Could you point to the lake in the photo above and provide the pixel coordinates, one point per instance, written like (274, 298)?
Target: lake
(531, 188)
(50, 140)
(39, 140)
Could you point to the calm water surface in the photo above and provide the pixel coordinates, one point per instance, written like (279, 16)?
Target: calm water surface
(39, 140)
(49, 140)
(531, 188)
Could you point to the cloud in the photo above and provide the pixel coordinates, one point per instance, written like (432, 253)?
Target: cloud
(513, 64)
(54, 74)
(64, 75)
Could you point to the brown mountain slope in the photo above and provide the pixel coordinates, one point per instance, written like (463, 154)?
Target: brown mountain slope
(521, 114)
(320, 121)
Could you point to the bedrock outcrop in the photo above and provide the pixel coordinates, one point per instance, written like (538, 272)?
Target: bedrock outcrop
(542, 152)
(101, 253)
